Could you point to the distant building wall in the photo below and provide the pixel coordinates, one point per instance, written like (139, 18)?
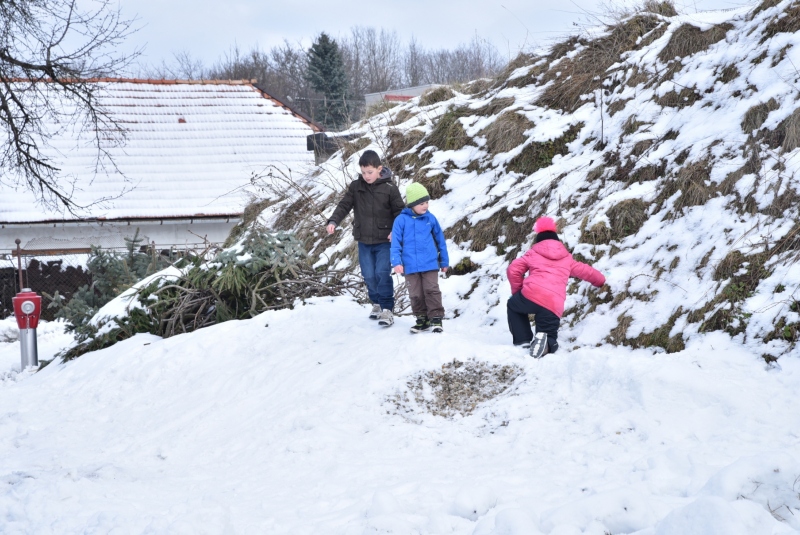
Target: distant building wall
(66, 236)
(397, 95)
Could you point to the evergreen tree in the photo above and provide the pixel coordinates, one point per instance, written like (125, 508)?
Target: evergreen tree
(112, 273)
(327, 75)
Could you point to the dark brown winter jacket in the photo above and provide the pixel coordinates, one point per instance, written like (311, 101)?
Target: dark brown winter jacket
(374, 208)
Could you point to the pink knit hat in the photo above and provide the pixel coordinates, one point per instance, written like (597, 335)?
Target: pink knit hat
(544, 224)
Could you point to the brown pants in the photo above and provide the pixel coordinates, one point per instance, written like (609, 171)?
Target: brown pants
(426, 298)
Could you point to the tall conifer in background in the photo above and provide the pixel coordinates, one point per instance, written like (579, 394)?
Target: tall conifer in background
(327, 75)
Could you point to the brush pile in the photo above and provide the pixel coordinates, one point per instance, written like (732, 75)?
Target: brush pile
(262, 271)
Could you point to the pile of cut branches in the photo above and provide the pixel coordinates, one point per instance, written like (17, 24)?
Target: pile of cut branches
(262, 271)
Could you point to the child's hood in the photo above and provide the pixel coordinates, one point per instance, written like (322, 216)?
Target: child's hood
(552, 249)
(410, 213)
(385, 176)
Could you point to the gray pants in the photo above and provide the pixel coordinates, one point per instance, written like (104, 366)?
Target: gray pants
(426, 298)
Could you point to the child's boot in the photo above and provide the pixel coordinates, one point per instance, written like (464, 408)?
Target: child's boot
(436, 325)
(539, 345)
(422, 325)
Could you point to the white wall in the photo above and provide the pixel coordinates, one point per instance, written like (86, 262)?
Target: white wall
(374, 98)
(165, 233)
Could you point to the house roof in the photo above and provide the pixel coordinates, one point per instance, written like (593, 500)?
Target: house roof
(190, 150)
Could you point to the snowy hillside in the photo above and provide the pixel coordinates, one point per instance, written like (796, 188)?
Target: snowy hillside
(314, 420)
(667, 147)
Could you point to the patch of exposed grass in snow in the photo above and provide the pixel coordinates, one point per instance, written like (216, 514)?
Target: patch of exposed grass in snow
(688, 40)
(448, 132)
(436, 95)
(456, 389)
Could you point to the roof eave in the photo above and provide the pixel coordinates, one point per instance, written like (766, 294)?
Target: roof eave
(199, 217)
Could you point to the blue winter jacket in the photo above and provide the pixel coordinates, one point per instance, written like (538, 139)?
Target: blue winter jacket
(418, 242)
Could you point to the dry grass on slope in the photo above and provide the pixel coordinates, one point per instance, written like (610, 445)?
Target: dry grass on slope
(349, 148)
(788, 21)
(571, 78)
(766, 4)
(755, 116)
(514, 225)
(448, 133)
(688, 40)
(786, 135)
(574, 77)
(506, 132)
(625, 218)
(436, 95)
(537, 155)
(693, 184)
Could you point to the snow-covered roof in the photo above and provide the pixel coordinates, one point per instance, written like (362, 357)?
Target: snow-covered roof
(190, 150)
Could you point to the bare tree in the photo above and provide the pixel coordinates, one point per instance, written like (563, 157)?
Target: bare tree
(239, 65)
(383, 60)
(437, 67)
(287, 78)
(376, 61)
(476, 59)
(183, 67)
(280, 72)
(52, 52)
(353, 55)
(414, 70)
(373, 60)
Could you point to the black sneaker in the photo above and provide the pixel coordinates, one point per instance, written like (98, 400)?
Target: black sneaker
(539, 345)
(422, 325)
(436, 325)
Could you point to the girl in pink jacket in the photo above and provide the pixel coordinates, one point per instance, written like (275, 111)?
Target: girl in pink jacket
(549, 266)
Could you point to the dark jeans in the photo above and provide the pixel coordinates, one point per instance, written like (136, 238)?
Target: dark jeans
(425, 295)
(376, 268)
(546, 321)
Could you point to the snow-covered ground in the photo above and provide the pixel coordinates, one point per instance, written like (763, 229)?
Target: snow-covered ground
(50, 336)
(281, 425)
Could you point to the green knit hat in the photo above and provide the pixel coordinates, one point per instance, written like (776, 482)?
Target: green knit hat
(416, 194)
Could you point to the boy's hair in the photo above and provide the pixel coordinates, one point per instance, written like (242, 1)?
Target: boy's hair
(370, 158)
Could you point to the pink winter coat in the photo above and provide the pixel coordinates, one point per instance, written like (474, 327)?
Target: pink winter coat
(549, 266)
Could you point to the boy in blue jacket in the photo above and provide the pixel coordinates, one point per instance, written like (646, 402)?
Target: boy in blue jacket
(418, 252)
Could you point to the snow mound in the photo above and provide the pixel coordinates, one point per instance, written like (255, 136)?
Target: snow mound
(278, 424)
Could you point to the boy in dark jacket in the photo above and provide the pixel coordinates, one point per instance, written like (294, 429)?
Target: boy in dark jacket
(549, 266)
(375, 202)
(418, 252)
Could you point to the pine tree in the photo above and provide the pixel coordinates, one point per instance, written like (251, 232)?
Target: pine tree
(112, 273)
(327, 75)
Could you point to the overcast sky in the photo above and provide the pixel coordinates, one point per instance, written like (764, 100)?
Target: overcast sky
(208, 28)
